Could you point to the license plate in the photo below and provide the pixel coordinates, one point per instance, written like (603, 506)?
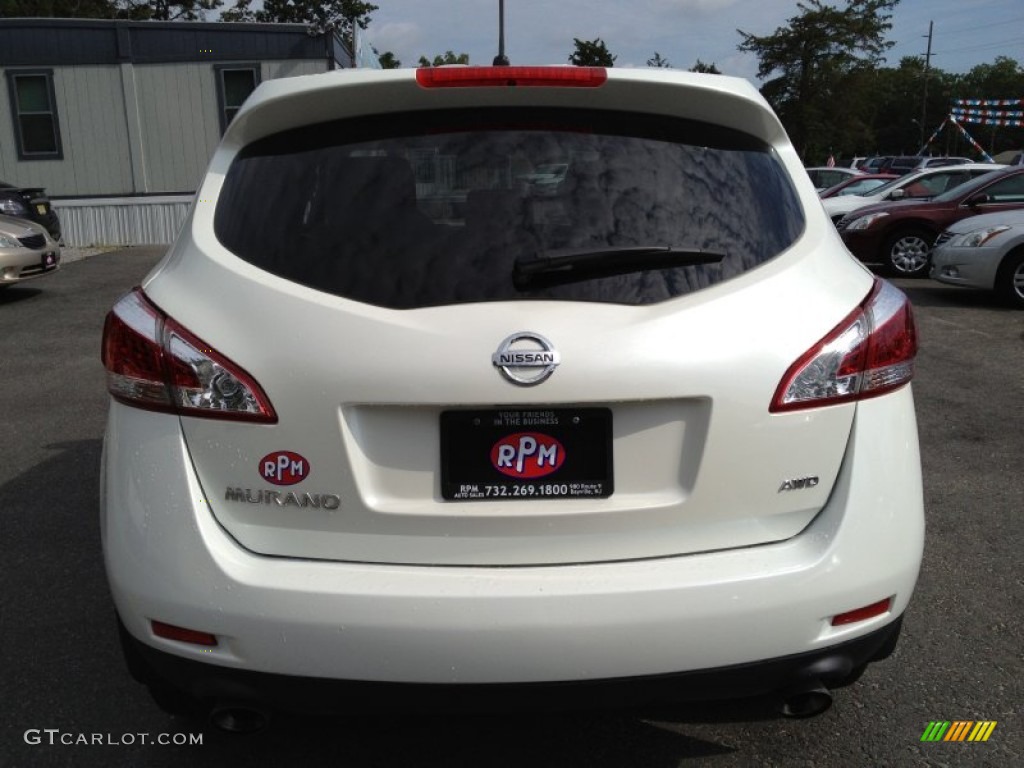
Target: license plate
(526, 454)
(41, 209)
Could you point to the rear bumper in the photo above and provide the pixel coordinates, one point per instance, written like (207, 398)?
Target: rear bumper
(828, 666)
(167, 559)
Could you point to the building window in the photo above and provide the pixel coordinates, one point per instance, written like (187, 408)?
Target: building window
(34, 109)
(234, 84)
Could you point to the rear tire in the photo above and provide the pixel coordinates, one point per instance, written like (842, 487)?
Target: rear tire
(1010, 279)
(908, 253)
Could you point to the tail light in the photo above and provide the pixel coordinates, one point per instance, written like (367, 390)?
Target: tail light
(152, 362)
(868, 354)
(470, 77)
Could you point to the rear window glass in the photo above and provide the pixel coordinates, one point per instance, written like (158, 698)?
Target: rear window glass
(428, 209)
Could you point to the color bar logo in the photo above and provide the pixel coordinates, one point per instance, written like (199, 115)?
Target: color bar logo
(958, 730)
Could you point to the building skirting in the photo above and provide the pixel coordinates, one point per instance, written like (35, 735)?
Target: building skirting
(151, 220)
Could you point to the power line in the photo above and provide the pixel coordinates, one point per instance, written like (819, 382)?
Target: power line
(983, 46)
(993, 24)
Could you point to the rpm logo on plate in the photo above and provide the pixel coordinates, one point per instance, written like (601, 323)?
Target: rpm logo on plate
(527, 455)
(284, 468)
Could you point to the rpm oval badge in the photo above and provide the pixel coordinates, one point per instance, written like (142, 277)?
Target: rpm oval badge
(527, 455)
(284, 468)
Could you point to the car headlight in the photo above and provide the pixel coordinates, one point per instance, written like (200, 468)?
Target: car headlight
(866, 221)
(977, 237)
(12, 206)
(8, 242)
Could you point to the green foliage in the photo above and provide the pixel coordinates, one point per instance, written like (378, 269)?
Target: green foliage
(811, 63)
(591, 53)
(164, 10)
(141, 10)
(709, 69)
(657, 61)
(448, 58)
(338, 15)
(388, 61)
(1003, 79)
(58, 9)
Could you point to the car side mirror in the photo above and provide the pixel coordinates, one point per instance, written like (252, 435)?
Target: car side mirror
(897, 194)
(975, 200)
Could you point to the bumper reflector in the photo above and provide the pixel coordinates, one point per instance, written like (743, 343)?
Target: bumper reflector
(862, 614)
(193, 636)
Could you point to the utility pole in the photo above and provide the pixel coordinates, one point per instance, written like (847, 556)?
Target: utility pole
(501, 60)
(924, 100)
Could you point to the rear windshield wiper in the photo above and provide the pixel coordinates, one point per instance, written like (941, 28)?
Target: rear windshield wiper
(548, 269)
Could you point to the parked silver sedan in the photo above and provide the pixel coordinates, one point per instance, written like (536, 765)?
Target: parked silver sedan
(26, 251)
(984, 251)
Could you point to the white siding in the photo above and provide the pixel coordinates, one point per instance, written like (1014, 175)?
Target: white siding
(272, 70)
(93, 134)
(175, 128)
(179, 123)
(122, 221)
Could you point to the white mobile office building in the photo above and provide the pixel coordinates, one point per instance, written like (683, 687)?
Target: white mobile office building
(118, 119)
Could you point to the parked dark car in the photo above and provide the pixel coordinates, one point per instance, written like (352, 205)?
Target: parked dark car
(29, 203)
(874, 164)
(904, 164)
(900, 234)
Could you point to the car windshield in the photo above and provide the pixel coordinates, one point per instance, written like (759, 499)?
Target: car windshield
(436, 209)
(899, 183)
(966, 188)
(857, 187)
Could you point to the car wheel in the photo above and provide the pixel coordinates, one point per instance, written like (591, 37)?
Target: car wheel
(1010, 279)
(908, 252)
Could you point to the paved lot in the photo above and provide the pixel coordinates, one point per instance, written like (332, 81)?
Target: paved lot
(960, 656)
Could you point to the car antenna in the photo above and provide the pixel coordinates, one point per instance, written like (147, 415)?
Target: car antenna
(501, 60)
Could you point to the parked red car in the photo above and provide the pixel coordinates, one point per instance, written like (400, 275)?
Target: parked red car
(900, 234)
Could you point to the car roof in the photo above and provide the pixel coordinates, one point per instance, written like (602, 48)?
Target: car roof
(960, 167)
(916, 203)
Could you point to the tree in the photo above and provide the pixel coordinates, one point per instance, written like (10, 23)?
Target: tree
(658, 62)
(591, 53)
(810, 64)
(448, 58)
(338, 15)
(709, 69)
(387, 60)
(58, 9)
(1003, 79)
(165, 10)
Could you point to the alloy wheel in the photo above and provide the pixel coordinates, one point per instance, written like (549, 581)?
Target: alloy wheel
(909, 254)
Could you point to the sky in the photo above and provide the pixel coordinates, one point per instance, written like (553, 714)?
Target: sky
(966, 32)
